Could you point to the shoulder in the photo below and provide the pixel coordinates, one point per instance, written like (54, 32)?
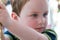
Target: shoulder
(51, 34)
(7, 37)
(10, 36)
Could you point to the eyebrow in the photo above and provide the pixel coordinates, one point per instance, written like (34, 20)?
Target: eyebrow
(46, 12)
(35, 11)
(39, 11)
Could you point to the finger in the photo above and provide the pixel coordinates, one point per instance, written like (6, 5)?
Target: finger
(2, 6)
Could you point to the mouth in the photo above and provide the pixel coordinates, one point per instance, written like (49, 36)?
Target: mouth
(39, 29)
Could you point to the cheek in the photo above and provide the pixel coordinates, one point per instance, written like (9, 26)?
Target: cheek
(45, 23)
(30, 22)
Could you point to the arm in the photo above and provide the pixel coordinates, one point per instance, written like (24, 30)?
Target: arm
(25, 33)
(51, 34)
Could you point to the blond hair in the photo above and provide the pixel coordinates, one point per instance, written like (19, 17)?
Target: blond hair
(17, 5)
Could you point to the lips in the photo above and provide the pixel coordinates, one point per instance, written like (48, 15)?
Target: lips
(40, 29)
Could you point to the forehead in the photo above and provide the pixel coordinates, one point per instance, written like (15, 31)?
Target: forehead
(36, 5)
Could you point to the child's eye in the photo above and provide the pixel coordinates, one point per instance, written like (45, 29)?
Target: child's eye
(45, 14)
(34, 15)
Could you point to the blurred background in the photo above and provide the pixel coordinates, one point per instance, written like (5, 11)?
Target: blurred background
(53, 16)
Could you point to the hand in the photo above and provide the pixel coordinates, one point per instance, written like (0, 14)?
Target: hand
(4, 16)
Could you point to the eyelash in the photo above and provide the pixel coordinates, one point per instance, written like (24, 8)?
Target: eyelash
(45, 14)
(34, 15)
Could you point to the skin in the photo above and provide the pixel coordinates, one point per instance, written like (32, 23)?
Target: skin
(34, 15)
(4, 1)
(3, 14)
(3, 18)
(24, 27)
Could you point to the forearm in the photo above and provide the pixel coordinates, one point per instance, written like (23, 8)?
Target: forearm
(26, 33)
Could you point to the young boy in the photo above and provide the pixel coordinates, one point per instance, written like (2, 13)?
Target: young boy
(30, 20)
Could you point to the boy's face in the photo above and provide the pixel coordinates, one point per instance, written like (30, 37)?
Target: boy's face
(34, 14)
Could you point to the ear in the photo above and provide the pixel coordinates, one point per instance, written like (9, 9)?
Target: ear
(14, 16)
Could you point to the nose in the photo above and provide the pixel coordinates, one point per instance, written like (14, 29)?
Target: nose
(41, 21)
